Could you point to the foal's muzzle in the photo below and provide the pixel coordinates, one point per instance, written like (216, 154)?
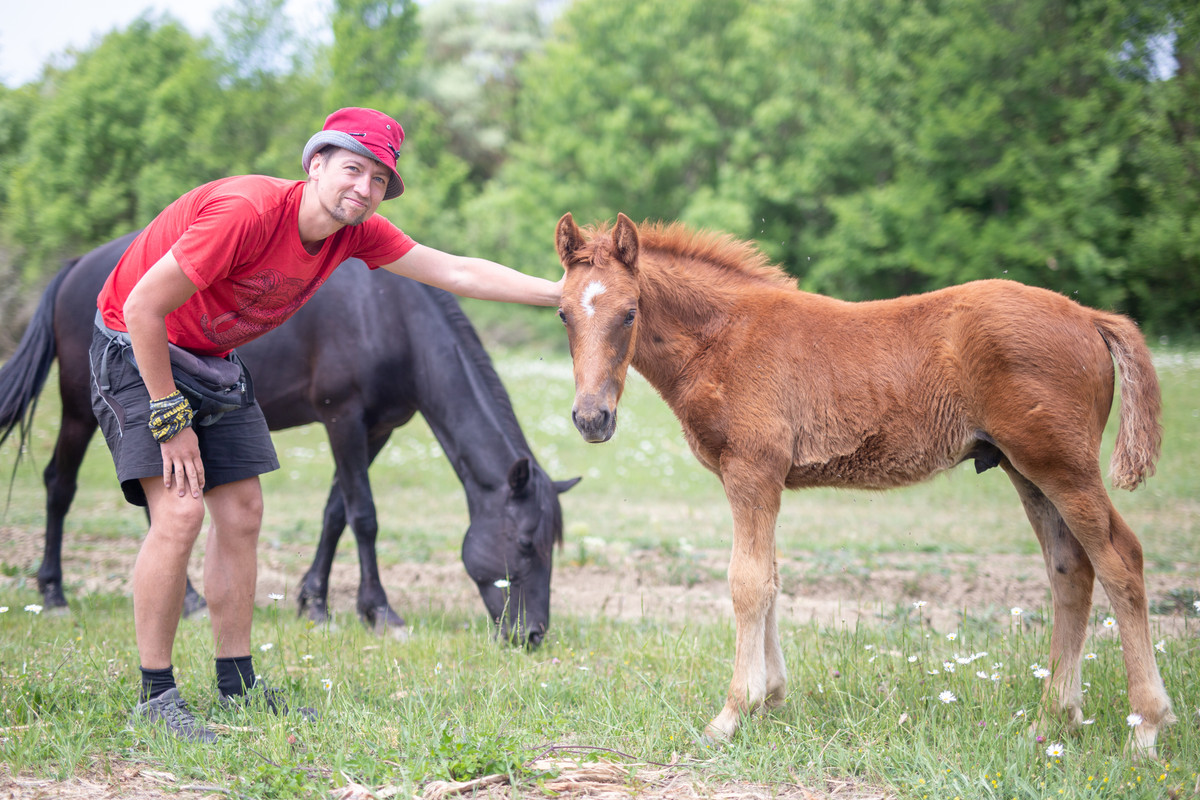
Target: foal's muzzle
(595, 423)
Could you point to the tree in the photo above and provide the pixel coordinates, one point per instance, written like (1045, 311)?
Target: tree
(873, 147)
(109, 141)
(374, 53)
(629, 108)
(1164, 249)
(472, 52)
(271, 91)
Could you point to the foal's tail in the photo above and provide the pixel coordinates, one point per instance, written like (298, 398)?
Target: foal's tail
(1139, 435)
(24, 374)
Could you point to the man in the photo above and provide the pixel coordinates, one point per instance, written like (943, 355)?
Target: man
(222, 265)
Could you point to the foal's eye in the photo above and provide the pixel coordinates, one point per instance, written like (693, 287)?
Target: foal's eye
(629, 315)
(563, 316)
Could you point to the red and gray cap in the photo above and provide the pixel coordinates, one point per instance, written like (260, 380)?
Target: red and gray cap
(364, 131)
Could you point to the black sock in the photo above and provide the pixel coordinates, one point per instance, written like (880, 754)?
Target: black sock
(234, 675)
(156, 681)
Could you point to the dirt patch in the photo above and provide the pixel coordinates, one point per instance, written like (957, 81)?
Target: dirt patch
(124, 781)
(671, 587)
(595, 780)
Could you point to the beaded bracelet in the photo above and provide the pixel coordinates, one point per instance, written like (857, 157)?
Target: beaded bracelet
(169, 416)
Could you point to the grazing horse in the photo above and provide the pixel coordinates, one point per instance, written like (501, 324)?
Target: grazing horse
(780, 389)
(362, 357)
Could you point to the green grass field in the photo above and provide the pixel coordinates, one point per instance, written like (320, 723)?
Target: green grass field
(869, 708)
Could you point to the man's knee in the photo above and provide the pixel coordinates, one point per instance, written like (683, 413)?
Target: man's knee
(237, 508)
(177, 518)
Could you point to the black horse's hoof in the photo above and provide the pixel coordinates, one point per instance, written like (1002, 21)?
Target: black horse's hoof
(314, 608)
(384, 622)
(194, 605)
(53, 599)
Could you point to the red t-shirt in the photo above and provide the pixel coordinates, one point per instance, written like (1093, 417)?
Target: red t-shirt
(238, 240)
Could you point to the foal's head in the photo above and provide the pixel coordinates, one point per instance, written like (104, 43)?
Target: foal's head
(600, 310)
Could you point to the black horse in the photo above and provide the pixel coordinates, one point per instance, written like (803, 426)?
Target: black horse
(364, 355)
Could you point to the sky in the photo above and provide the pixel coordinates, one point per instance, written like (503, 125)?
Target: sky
(31, 33)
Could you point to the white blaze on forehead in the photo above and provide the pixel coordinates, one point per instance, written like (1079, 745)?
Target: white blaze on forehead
(589, 294)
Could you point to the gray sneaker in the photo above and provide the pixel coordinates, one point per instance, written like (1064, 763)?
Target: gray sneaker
(169, 710)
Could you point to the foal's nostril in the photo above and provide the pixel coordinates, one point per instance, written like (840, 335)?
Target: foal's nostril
(594, 420)
(535, 640)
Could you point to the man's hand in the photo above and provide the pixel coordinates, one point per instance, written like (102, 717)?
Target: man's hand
(181, 463)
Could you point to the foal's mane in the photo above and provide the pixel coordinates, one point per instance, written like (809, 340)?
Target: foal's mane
(721, 250)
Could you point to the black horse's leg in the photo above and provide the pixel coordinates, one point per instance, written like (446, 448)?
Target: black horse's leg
(193, 601)
(61, 480)
(314, 586)
(353, 452)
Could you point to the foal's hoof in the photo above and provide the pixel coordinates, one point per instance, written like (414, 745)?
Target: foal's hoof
(722, 728)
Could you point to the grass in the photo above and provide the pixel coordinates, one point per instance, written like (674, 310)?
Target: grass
(866, 703)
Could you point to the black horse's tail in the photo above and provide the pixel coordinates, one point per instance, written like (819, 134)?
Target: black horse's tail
(23, 376)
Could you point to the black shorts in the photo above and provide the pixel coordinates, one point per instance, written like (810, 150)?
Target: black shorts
(236, 446)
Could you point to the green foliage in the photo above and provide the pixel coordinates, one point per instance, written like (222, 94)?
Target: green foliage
(473, 51)
(110, 142)
(897, 147)
(462, 756)
(373, 51)
(1163, 278)
(873, 147)
(271, 781)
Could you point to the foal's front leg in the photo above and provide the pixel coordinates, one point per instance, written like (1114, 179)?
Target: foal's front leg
(759, 676)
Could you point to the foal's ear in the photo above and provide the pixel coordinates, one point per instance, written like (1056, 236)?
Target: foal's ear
(625, 241)
(567, 238)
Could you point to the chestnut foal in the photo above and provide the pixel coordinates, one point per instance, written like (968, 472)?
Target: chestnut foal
(778, 388)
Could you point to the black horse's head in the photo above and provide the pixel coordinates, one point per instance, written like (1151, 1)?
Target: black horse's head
(509, 551)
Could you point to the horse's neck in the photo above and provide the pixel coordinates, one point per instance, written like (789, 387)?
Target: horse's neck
(678, 319)
(475, 428)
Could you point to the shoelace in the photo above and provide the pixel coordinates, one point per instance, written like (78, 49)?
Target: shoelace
(176, 713)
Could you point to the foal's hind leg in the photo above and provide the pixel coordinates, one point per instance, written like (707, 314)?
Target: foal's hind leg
(1116, 557)
(1071, 580)
(758, 672)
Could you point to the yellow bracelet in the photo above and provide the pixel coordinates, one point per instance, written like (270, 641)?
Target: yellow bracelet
(169, 416)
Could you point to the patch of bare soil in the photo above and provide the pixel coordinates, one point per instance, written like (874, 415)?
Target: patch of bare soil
(594, 780)
(673, 588)
(124, 781)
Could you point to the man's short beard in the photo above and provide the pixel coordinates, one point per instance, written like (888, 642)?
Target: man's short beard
(341, 215)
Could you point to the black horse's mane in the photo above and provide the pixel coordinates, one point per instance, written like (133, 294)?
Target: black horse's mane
(475, 352)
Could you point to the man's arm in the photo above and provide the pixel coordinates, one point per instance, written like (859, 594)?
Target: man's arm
(160, 291)
(475, 277)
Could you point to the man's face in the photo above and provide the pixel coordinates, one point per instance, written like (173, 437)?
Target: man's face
(349, 186)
